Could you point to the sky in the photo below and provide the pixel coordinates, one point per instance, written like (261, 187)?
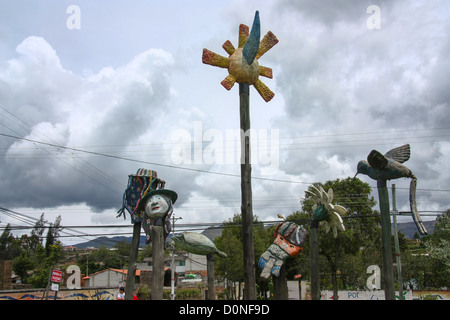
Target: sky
(91, 91)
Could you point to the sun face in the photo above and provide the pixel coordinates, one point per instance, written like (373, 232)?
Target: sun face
(239, 70)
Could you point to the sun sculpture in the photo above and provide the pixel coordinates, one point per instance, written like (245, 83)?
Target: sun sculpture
(242, 63)
(243, 68)
(328, 214)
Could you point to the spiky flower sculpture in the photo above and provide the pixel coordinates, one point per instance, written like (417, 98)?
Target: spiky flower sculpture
(242, 64)
(324, 211)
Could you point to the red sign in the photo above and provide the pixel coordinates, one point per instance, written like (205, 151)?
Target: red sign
(56, 276)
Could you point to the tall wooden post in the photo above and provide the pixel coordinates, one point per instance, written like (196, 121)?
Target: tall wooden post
(132, 261)
(397, 246)
(157, 261)
(210, 270)
(246, 195)
(388, 270)
(243, 70)
(280, 289)
(314, 259)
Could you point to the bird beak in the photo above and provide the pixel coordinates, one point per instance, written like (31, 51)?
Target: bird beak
(355, 175)
(251, 47)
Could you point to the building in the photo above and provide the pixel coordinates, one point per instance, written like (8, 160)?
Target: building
(185, 263)
(189, 268)
(109, 278)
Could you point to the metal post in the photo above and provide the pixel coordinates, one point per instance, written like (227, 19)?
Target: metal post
(388, 272)
(397, 246)
(132, 261)
(246, 194)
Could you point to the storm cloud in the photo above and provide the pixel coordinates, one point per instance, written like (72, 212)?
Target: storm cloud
(115, 102)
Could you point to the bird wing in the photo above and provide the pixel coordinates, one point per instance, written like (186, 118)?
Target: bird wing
(377, 160)
(399, 154)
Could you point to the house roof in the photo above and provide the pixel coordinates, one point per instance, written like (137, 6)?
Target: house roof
(124, 271)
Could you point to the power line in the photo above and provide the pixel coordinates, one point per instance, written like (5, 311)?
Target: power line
(30, 220)
(147, 162)
(216, 225)
(84, 163)
(167, 165)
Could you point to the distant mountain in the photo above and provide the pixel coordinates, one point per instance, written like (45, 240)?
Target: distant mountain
(107, 242)
(407, 228)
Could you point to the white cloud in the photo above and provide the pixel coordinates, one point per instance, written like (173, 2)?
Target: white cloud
(341, 90)
(116, 106)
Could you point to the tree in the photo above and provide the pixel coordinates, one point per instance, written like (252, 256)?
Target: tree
(52, 234)
(362, 229)
(22, 264)
(39, 228)
(230, 242)
(438, 247)
(44, 257)
(6, 244)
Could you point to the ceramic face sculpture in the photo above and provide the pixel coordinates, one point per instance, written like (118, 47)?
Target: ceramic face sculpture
(157, 206)
(289, 241)
(158, 211)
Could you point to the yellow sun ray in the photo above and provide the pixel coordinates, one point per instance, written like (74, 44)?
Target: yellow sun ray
(215, 59)
(243, 35)
(266, 44)
(264, 91)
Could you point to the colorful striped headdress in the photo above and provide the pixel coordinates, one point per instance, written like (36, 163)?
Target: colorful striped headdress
(139, 185)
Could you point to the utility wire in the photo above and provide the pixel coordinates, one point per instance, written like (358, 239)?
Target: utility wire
(146, 162)
(167, 165)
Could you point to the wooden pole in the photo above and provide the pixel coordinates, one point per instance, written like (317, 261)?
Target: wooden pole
(132, 261)
(158, 262)
(280, 289)
(314, 259)
(246, 194)
(210, 270)
(388, 270)
(397, 246)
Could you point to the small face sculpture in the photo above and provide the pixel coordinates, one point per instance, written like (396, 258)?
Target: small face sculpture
(291, 249)
(157, 206)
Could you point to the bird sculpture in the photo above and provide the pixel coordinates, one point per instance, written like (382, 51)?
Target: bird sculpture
(390, 166)
(196, 243)
(387, 167)
(242, 64)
